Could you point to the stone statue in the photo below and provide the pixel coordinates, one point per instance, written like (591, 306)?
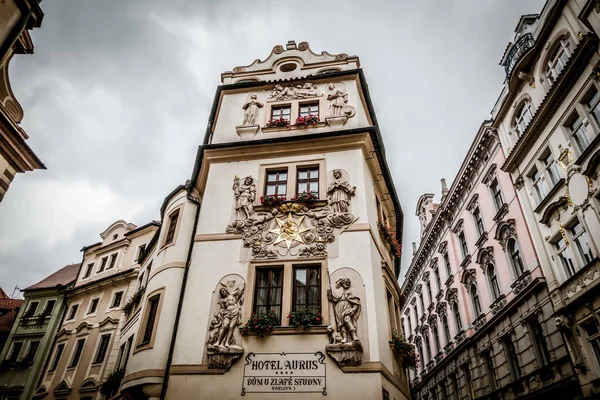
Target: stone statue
(337, 100)
(338, 193)
(228, 316)
(346, 309)
(245, 194)
(251, 109)
(300, 91)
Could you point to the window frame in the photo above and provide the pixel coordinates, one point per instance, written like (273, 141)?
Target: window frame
(307, 267)
(497, 195)
(493, 281)
(308, 180)
(141, 343)
(11, 355)
(592, 342)
(89, 270)
(277, 183)
(89, 312)
(464, 247)
(31, 310)
(512, 359)
(97, 353)
(140, 249)
(292, 167)
(523, 117)
(74, 317)
(457, 317)
(102, 266)
(309, 104)
(76, 353)
(270, 270)
(478, 219)
(555, 59)
(112, 260)
(538, 339)
(172, 227)
(281, 107)
(113, 297)
(57, 356)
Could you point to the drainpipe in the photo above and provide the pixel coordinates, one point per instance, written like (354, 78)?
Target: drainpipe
(165, 384)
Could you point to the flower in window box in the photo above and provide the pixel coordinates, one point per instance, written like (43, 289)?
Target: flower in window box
(261, 324)
(306, 198)
(405, 350)
(307, 120)
(390, 239)
(304, 318)
(272, 200)
(280, 122)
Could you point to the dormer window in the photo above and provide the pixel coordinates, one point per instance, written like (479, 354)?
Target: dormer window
(281, 112)
(558, 59)
(523, 117)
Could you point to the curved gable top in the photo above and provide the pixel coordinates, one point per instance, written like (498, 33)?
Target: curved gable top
(119, 228)
(299, 57)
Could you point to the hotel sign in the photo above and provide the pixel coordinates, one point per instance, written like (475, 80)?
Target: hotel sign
(284, 373)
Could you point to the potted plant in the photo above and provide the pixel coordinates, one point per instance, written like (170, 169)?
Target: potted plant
(307, 120)
(133, 301)
(280, 122)
(304, 318)
(389, 238)
(404, 350)
(272, 200)
(111, 384)
(260, 324)
(306, 198)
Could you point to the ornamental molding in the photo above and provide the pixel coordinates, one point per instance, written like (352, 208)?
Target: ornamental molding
(433, 263)
(505, 231)
(554, 210)
(425, 277)
(490, 175)
(485, 256)
(419, 288)
(469, 278)
(443, 247)
(432, 320)
(473, 203)
(458, 227)
(452, 296)
(291, 228)
(413, 301)
(441, 308)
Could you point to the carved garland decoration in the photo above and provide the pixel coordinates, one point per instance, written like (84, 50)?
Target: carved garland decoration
(441, 308)
(506, 230)
(452, 296)
(469, 278)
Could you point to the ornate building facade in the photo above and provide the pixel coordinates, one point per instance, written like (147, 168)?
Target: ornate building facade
(16, 18)
(548, 119)
(269, 274)
(478, 308)
(86, 347)
(32, 335)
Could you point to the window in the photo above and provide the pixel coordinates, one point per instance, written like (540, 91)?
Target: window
(436, 339)
(409, 323)
(16, 350)
(88, 271)
(276, 183)
(421, 356)
(515, 257)
(148, 269)
(117, 300)
(438, 281)
(539, 342)
(150, 319)
(113, 260)
(59, 351)
(77, 353)
(307, 288)
(428, 284)
(478, 221)
(446, 328)
(422, 302)
(511, 357)
(558, 60)
(141, 281)
(593, 336)
(489, 369)
(593, 104)
(416, 315)
(33, 348)
(31, 309)
(93, 306)
(523, 118)
(309, 109)
(447, 263)
(380, 212)
(457, 319)
(385, 394)
(427, 346)
(103, 264)
(140, 251)
(125, 350)
(578, 128)
(73, 311)
(443, 390)
(497, 194)
(581, 243)
(493, 279)
(308, 181)
(102, 348)
(172, 225)
(475, 300)
(463, 244)
(281, 112)
(564, 255)
(538, 183)
(268, 291)
(49, 307)
(454, 386)
(468, 380)
(551, 168)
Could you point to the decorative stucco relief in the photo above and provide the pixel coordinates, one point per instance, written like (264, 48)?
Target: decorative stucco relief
(291, 228)
(222, 346)
(292, 92)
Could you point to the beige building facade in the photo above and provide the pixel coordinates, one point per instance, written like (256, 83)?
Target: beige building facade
(17, 17)
(548, 119)
(86, 345)
(233, 262)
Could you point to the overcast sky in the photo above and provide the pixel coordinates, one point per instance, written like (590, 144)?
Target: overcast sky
(117, 96)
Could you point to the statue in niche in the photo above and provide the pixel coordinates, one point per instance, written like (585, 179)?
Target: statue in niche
(346, 310)
(251, 108)
(245, 194)
(337, 101)
(339, 193)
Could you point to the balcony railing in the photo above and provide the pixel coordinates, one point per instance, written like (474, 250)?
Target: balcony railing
(520, 47)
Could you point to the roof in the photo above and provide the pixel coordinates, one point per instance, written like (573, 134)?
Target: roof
(62, 277)
(3, 294)
(7, 319)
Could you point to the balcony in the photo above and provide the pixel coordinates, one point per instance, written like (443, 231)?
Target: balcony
(520, 47)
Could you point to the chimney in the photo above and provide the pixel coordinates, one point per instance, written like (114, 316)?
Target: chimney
(444, 189)
(414, 244)
(291, 45)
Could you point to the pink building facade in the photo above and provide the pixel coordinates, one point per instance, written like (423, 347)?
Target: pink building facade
(477, 308)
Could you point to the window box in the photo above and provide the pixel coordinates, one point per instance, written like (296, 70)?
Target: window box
(521, 283)
(304, 318)
(277, 123)
(268, 129)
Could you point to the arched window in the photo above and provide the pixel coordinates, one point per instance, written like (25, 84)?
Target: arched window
(409, 323)
(427, 346)
(515, 257)
(457, 320)
(420, 348)
(436, 339)
(475, 300)
(446, 328)
(523, 117)
(558, 59)
(493, 279)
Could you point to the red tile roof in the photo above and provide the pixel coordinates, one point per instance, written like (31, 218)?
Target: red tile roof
(7, 318)
(62, 277)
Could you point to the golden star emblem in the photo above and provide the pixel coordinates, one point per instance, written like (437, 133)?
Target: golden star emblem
(289, 230)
